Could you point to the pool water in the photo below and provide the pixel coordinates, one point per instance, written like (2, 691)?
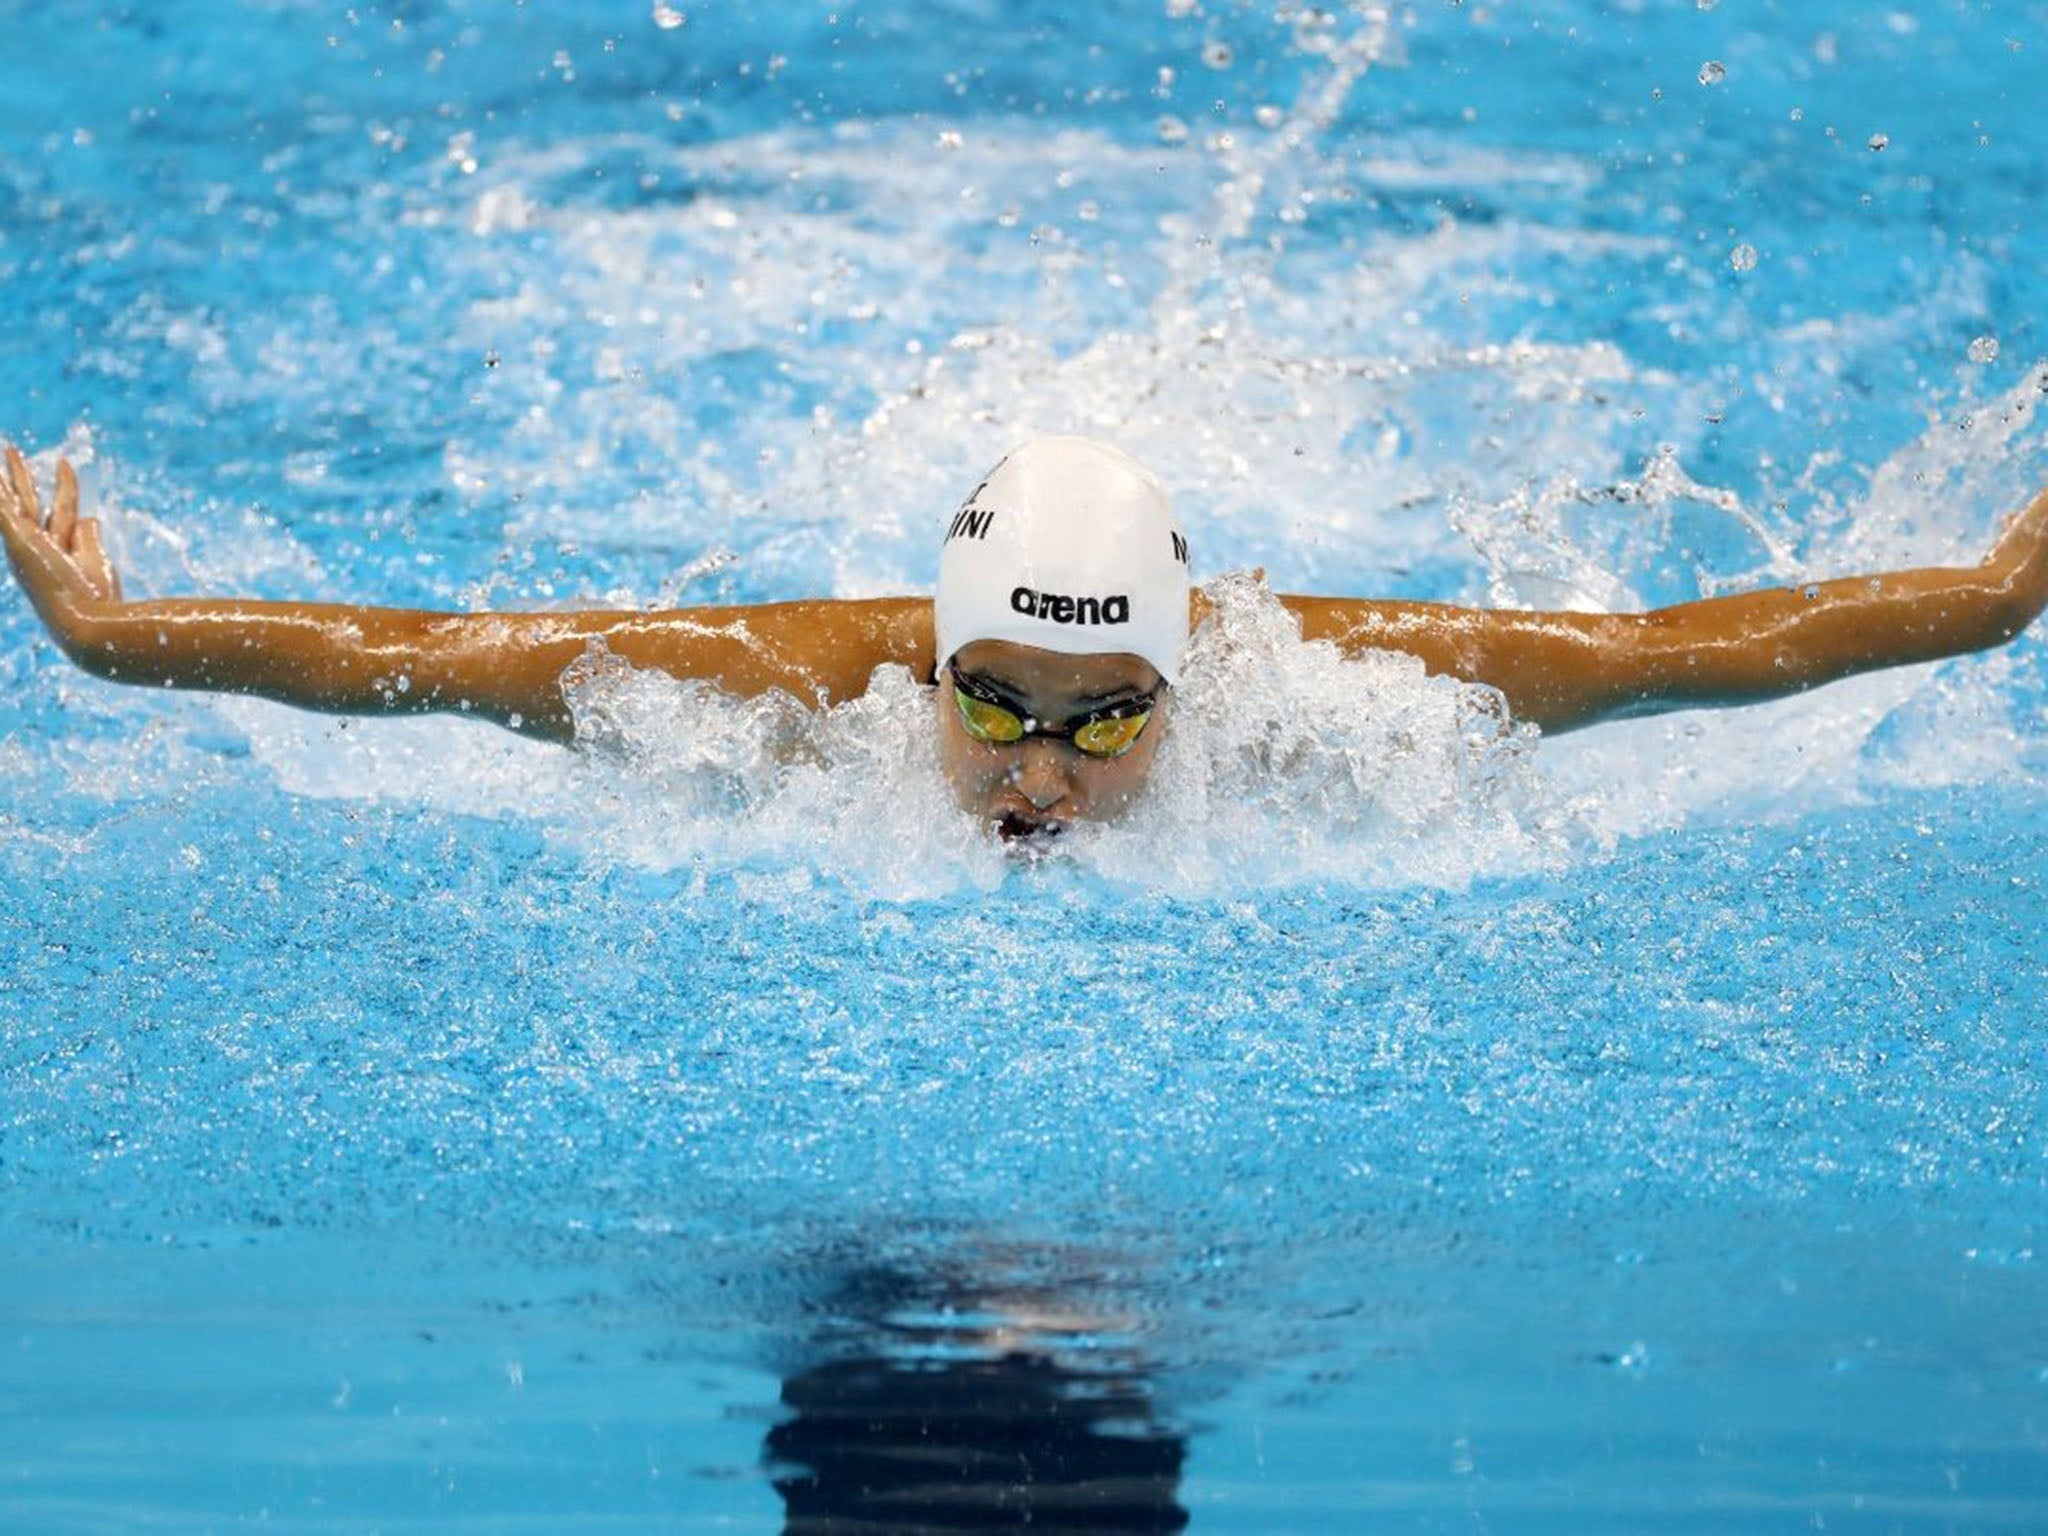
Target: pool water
(1403, 1122)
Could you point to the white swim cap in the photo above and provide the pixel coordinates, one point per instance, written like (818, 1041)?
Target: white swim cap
(1071, 546)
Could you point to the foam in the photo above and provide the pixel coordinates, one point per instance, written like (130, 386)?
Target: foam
(1283, 762)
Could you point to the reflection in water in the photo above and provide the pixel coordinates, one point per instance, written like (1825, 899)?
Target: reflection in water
(940, 1405)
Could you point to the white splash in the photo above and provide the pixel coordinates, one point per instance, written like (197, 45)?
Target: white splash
(1288, 761)
(1283, 761)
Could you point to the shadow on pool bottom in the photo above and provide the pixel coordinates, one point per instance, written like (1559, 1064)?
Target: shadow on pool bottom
(938, 1406)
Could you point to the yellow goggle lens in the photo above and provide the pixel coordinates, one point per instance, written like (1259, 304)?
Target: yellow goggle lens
(1110, 738)
(992, 723)
(988, 722)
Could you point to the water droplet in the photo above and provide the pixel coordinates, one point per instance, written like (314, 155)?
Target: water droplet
(1879, 140)
(1180, 9)
(1217, 55)
(948, 139)
(1707, 5)
(490, 359)
(1713, 72)
(1810, 592)
(1268, 116)
(1171, 130)
(667, 17)
(1984, 350)
(1799, 114)
(1743, 258)
(1090, 211)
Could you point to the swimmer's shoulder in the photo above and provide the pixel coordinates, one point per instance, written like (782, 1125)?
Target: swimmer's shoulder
(818, 649)
(861, 634)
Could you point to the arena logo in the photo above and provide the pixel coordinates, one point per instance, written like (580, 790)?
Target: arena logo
(1059, 608)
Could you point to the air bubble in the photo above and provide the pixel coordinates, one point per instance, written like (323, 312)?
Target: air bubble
(1743, 258)
(1171, 130)
(1218, 55)
(667, 17)
(1984, 350)
(1713, 72)
(1879, 140)
(1268, 116)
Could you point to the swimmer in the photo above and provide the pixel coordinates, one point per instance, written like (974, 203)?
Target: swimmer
(1052, 645)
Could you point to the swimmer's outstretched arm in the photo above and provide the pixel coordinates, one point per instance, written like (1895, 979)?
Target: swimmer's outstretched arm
(1566, 670)
(503, 667)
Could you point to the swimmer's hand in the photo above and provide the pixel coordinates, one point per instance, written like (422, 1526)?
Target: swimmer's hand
(58, 558)
(2019, 562)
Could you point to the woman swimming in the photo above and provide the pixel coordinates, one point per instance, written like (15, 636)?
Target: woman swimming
(1062, 610)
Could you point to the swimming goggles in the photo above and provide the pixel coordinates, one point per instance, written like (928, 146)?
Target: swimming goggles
(988, 716)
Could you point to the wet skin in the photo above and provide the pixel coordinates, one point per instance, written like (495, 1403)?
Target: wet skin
(1039, 786)
(1557, 671)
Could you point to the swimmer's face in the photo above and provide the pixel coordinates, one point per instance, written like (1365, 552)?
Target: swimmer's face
(1040, 785)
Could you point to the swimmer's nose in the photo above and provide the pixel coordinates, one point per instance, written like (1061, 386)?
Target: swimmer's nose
(1040, 775)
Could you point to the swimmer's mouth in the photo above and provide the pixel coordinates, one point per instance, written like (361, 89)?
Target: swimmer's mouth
(1014, 826)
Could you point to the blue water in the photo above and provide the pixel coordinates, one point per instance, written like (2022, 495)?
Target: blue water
(1404, 1124)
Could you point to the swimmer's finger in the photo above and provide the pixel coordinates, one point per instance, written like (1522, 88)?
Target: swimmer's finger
(21, 488)
(27, 506)
(64, 513)
(98, 570)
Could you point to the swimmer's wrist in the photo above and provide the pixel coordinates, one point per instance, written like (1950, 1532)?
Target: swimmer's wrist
(97, 634)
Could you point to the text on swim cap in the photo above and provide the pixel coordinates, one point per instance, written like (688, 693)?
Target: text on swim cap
(1059, 608)
(970, 524)
(1180, 548)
